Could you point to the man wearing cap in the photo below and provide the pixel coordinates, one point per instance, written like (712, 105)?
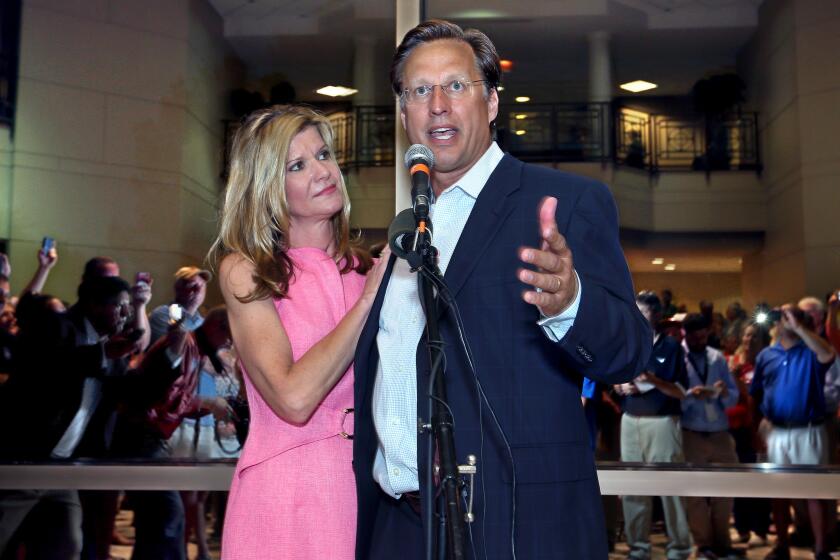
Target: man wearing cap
(190, 289)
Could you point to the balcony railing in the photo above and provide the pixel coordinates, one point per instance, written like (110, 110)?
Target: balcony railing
(557, 132)
(668, 143)
(364, 136)
(568, 132)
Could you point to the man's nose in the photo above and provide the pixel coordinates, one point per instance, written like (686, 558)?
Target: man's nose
(439, 102)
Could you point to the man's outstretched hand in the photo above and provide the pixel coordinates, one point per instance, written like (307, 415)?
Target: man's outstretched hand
(555, 275)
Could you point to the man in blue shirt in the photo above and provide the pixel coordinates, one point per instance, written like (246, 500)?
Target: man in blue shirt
(650, 433)
(706, 439)
(788, 389)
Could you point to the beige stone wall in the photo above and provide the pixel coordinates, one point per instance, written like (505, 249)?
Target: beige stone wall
(681, 202)
(691, 287)
(792, 67)
(118, 136)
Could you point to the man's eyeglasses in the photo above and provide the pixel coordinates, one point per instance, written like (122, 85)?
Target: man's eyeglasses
(456, 89)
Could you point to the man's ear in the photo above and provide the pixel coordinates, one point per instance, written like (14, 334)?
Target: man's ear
(402, 118)
(492, 105)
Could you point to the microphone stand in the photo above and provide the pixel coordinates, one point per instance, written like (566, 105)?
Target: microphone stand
(451, 540)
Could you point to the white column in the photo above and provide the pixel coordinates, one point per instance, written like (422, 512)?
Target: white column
(364, 66)
(600, 76)
(408, 16)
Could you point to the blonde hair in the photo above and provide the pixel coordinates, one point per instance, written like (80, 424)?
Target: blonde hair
(255, 212)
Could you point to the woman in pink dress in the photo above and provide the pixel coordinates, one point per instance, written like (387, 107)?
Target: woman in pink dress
(297, 299)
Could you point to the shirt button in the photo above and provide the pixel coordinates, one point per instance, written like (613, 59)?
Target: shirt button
(395, 472)
(395, 421)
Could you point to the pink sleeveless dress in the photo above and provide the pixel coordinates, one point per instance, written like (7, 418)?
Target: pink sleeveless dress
(293, 495)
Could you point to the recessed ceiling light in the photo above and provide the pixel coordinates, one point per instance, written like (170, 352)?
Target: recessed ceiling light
(670, 267)
(658, 260)
(336, 91)
(520, 132)
(521, 116)
(523, 99)
(500, 88)
(637, 86)
(506, 65)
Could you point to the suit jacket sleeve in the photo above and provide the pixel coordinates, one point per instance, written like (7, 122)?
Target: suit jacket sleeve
(610, 341)
(148, 380)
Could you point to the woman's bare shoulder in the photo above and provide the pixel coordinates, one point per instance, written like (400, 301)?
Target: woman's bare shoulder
(236, 275)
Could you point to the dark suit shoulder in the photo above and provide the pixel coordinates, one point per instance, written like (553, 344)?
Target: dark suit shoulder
(538, 175)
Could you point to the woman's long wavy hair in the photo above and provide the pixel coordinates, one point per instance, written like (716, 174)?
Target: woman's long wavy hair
(255, 211)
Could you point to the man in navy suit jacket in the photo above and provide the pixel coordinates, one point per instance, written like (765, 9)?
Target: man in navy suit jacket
(532, 258)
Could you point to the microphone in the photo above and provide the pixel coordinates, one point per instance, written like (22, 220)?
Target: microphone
(420, 160)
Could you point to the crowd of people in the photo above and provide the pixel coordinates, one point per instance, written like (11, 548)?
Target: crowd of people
(339, 456)
(103, 379)
(726, 388)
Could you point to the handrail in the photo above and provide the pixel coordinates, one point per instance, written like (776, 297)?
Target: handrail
(762, 480)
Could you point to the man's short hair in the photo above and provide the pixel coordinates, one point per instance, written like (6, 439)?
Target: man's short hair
(100, 290)
(186, 273)
(651, 300)
(812, 301)
(486, 57)
(95, 265)
(695, 322)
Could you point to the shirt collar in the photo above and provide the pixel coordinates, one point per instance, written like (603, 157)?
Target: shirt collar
(474, 180)
(91, 336)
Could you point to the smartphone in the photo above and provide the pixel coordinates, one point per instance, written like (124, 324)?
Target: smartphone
(145, 277)
(774, 315)
(47, 243)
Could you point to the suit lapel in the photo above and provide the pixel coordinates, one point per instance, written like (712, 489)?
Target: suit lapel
(486, 218)
(364, 367)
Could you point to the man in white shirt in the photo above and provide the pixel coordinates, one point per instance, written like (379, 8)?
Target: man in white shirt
(536, 317)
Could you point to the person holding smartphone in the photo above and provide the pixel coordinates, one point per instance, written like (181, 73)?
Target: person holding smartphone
(787, 389)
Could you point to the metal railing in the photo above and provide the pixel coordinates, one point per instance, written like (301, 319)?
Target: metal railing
(563, 132)
(669, 143)
(364, 136)
(741, 480)
(555, 132)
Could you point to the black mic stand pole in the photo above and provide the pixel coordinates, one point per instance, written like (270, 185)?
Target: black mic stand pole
(423, 259)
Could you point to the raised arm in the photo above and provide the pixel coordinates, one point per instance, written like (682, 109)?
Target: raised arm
(292, 389)
(46, 261)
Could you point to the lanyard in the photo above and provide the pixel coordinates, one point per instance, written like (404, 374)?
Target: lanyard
(705, 374)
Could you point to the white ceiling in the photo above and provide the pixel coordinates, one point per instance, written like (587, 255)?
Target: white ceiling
(670, 42)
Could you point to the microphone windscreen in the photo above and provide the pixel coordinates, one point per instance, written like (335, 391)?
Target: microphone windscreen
(402, 229)
(419, 152)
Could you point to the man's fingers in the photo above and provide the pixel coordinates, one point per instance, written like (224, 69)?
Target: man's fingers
(548, 282)
(540, 299)
(547, 209)
(545, 260)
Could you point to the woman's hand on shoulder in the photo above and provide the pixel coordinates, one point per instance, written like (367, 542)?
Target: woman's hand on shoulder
(375, 275)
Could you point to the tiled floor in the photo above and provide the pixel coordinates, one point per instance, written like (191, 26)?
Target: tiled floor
(658, 540)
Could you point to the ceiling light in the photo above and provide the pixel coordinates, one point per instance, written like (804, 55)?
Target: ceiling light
(658, 260)
(521, 116)
(500, 88)
(336, 91)
(520, 132)
(637, 86)
(670, 267)
(506, 65)
(523, 99)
